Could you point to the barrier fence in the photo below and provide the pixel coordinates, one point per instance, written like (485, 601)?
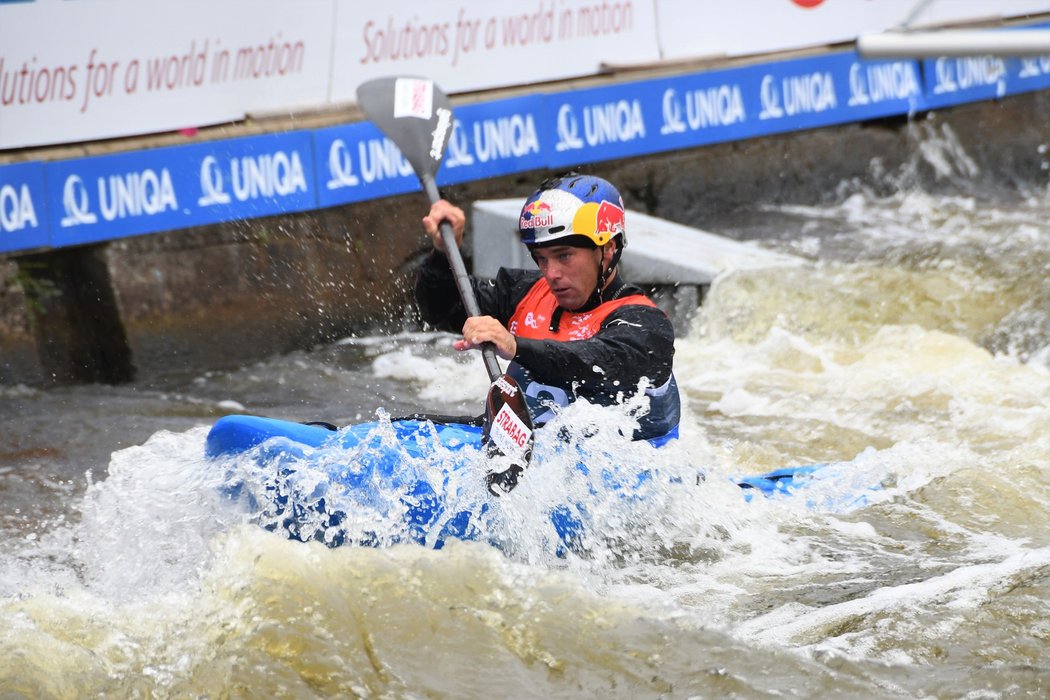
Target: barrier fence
(84, 200)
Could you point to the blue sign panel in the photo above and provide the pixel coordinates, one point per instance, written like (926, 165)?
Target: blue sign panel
(250, 177)
(704, 108)
(602, 123)
(355, 162)
(1027, 74)
(23, 217)
(876, 89)
(91, 199)
(951, 81)
(495, 138)
(718, 106)
(839, 88)
(98, 198)
(792, 95)
(94, 199)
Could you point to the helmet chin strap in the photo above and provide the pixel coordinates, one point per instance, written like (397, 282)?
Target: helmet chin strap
(603, 272)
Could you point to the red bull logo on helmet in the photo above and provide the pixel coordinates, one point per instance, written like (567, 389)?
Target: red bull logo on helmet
(599, 221)
(536, 215)
(610, 218)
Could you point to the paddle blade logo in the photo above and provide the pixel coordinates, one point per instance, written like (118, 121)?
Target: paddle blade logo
(439, 138)
(413, 98)
(508, 434)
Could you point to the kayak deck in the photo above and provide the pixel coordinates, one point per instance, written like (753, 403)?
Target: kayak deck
(415, 480)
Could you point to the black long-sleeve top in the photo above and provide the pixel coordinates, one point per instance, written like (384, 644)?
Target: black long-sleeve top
(634, 342)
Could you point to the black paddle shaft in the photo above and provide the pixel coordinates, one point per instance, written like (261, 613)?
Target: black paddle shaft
(459, 271)
(417, 117)
(421, 133)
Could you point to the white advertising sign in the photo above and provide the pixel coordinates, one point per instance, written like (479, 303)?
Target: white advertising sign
(466, 46)
(93, 69)
(693, 29)
(949, 11)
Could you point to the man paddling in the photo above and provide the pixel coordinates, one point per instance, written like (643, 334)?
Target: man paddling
(573, 329)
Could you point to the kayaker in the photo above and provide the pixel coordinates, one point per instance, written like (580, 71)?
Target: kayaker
(574, 328)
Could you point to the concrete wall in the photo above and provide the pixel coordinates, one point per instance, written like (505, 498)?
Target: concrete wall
(211, 297)
(229, 294)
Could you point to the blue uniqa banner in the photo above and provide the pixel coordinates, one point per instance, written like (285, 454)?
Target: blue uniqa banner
(955, 80)
(1029, 73)
(729, 105)
(23, 213)
(355, 162)
(92, 199)
(251, 177)
(495, 138)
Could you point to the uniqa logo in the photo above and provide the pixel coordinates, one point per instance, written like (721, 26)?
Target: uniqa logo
(1034, 67)
(76, 203)
(505, 137)
(613, 122)
(672, 112)
(882, 81)
(458, 148)
(16, 208)
(718, 105)
(137, 193)
(802, 94)
(212, 183)
(381, 159)
(957, 74)
(267, 175)
(568, 130)
(340, 166)
(277, 174)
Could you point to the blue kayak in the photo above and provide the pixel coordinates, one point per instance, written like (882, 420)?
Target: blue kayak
(389, 482)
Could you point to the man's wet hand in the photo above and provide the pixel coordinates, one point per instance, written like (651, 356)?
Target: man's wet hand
(486, 329)
(442, 210)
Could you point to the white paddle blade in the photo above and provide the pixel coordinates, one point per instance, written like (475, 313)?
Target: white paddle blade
(414, 113)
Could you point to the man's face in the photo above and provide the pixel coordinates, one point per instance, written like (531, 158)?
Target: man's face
(571, 272)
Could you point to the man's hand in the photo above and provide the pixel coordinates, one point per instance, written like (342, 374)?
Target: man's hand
(442, 210)
(485, 329)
